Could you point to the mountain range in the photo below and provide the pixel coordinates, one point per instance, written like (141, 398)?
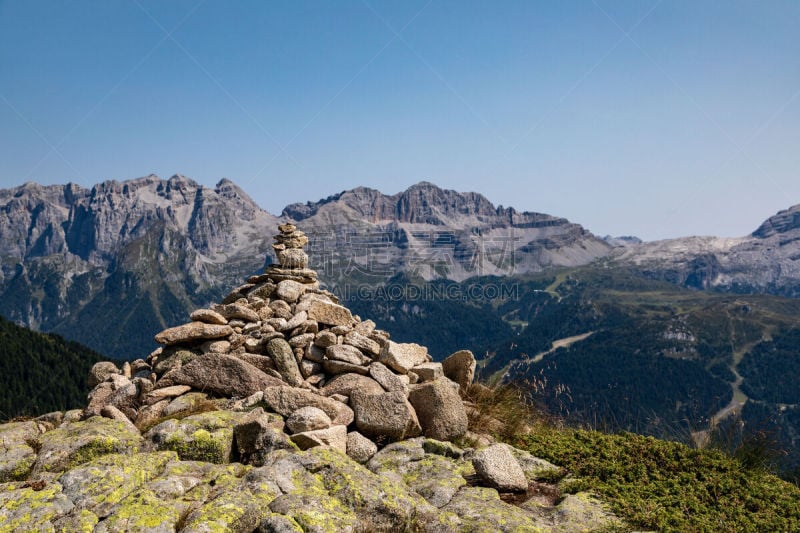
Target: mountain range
(684, 331)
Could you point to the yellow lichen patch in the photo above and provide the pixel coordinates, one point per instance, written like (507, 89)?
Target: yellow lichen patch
(143, 511)
(104, 482)
(81, 442)
(26, 509)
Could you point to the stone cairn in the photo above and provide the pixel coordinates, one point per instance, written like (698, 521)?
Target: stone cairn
(281, 343)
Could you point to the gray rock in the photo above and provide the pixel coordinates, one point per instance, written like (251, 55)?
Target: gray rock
(388, 414)
(237, 311)
(286, 400)
(460, 367)
(481, 509)
(325, 338)
(344, 384)
(80, 442)
(334, 437)
(309, 368)
(360, 448)
(281, 309)
(498, 468)
(194, 331)
(296, 321)
(185, 403)
(314, 353)
(277, 523)
(258, 434)
(285, 361)
(109, 411)
(403, 357)
(329, 313)
(220, 374)
(167, 392)
(390, 381)
(208, 316)
(100, 371)
(307, 418)
(289, 291)
(332, 366)
(428, 371)
(18, 456)
(149, 414)
(440, 410)
(347, 354)
(363, 343)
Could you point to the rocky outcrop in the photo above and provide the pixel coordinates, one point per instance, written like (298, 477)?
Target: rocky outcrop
(196, 438)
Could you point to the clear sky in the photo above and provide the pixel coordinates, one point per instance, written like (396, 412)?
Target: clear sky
(653, 118)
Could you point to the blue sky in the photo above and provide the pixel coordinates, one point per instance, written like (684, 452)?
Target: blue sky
(654, 118)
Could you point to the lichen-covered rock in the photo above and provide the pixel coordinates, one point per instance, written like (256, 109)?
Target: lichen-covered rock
(235, 311)
(185, 403)
(497, 466)
(576, 512)
(439, 409)
(80, 442)
(481, 509)
(202, 437)
(384, 415)
(27, 508)
(98, 486)
(534, 467)
(16, 454)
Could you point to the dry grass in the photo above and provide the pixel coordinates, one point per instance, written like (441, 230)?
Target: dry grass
(500, 410)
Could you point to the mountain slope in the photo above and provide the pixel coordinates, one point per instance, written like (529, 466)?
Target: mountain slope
(40, 373)
(766, 261)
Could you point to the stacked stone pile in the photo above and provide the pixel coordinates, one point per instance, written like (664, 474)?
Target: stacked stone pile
(276, 410)
(282, 342)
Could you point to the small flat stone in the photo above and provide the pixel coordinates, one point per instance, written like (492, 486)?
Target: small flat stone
(307, 418)
(428, 371)
(329, 313)
(208, 316)
(348, 354)
(334, 437)
(193, 331)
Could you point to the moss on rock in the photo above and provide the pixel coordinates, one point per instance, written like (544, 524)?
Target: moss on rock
(203, 437)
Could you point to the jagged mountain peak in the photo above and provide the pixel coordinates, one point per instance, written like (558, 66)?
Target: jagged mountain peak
(782, 222)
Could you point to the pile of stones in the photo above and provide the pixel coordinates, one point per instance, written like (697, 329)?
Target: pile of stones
(279, 411)
(281, 342)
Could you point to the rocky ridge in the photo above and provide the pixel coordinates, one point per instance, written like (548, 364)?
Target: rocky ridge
(278, 410)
